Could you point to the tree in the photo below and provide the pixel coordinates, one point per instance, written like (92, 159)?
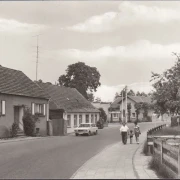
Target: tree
(145, 107)
(166, 93)
(138, 107)
(103, 115)
(90, 97)
(138, 94)
(116, 96)
(131, 93)
(129, 111)
(143, 94)
(82, 77)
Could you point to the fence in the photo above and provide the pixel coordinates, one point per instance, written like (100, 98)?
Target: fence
(150, 137)
(168, 155)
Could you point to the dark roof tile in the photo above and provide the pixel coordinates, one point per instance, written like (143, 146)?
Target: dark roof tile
(17, 83)
(67, 98)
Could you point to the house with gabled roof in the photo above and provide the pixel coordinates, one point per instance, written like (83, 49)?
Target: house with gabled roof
(17, 92)
(116, 108)
(69, 104)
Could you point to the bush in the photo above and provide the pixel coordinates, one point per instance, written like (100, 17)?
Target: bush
(160, 169)
(14, 129)
(29, 122)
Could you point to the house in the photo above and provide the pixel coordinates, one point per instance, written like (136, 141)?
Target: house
(105, 106)
(68, 104)
(18, 92)
(116, 107)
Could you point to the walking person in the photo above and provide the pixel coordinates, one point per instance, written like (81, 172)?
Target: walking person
(137, 132)
(124, 132)
(131, 136)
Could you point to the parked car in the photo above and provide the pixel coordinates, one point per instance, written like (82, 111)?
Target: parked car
(100, 124)
(86, 128)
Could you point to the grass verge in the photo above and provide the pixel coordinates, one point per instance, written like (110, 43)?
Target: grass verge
(161, 170)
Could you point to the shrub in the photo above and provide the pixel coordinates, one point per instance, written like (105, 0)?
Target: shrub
(14, 129)
(160, 169)
(29, 122)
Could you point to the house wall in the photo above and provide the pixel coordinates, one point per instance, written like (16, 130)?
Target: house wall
(7, 120)
(105, 106)
(133, 111)
(83, 118)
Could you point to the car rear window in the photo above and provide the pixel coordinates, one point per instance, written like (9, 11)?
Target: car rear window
(84, 125)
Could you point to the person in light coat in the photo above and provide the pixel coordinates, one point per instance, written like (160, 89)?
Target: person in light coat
(124, 132)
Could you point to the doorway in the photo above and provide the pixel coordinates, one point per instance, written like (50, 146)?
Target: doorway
(18, 115)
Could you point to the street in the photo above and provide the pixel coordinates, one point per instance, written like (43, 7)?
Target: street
(56, 157)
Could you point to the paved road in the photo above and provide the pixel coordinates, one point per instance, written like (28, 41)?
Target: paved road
(57, 157)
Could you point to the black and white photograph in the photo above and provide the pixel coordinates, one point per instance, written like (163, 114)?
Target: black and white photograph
(89, 89)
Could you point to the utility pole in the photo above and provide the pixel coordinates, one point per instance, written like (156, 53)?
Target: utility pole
(126, 103)
(122, 107)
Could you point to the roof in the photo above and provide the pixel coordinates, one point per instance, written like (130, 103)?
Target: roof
(115, 104)
(67, 98)
(15, 82)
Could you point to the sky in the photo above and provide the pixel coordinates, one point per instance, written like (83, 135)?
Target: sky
(124, 40)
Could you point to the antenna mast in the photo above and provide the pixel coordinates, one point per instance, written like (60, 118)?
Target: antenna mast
(37, 58)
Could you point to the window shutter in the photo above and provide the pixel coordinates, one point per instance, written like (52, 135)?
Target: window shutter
(32, 108)
(3, 107)
(44, 109)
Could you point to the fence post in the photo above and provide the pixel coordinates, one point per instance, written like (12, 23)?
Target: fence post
(179, 162)
(161, 150)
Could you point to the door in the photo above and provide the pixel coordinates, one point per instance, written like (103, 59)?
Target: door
(16, 115)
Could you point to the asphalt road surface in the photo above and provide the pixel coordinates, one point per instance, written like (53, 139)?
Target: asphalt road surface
(56, 157)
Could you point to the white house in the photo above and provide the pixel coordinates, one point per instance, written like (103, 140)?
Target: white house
(116, 108)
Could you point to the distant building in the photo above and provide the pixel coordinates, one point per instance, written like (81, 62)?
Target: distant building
(115, 109)
(103, 105)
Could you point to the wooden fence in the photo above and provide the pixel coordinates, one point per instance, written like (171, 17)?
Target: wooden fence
(150, 137)
(169, 155)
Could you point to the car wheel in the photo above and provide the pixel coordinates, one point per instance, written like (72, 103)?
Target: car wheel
(89, 134)
(77, 134)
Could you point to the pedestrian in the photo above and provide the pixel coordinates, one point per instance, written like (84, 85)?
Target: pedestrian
(124, 130)
(131, 136)
(137, 132)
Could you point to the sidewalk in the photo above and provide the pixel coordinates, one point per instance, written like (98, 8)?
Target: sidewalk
(117, 161)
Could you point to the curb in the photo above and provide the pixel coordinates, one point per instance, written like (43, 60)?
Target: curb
(109, 146)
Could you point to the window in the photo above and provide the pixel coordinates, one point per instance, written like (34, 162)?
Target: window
(87, 118)
(92, 118)
(80, 119)
(75, 120)
(95, 118)
(84, 125)
(38, 109)
(69, 120)
(133, 115)
(32, 108)
(3, 107)
(115, 115)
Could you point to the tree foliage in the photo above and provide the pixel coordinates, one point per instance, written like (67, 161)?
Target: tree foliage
(138, 107)
(103, 115)
(129, 111)
(82, 77)
(90, 97)
(166, 93)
